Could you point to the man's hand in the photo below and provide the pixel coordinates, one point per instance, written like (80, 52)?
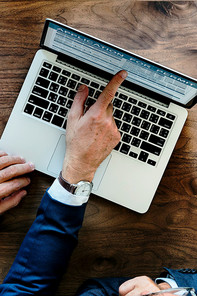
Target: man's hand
(12, 180)
(141, 285)
(90, 137)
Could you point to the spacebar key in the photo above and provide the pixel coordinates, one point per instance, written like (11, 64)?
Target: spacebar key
(150, 148)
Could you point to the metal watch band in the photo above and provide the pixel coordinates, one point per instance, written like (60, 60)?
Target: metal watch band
(69, 187)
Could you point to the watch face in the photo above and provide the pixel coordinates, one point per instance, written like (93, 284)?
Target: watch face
(83, 188)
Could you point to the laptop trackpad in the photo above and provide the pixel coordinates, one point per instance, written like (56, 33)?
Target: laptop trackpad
(56, 162)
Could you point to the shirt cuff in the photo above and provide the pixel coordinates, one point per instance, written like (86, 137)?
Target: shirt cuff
(59, 193)
(171, 282)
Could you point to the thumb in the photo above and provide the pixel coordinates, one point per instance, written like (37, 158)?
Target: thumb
(77, 108)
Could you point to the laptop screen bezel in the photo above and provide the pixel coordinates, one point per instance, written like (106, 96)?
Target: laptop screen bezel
(135, 87)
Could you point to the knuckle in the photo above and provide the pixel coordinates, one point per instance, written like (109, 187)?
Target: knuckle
(109, 94)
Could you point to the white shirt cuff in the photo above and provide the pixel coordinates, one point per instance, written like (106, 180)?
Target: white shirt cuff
(171, 282)
(59, 193)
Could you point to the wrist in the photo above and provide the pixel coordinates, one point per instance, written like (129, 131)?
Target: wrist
(74, 176)
(164, 286)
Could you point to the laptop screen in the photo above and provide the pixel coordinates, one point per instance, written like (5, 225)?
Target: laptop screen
(169, 83)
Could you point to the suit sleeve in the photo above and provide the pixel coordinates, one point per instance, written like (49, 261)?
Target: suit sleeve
(45, 251)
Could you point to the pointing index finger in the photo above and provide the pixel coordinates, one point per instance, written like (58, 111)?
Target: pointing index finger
(108, 93)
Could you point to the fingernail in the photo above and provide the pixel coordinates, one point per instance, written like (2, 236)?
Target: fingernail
(31, 165)
(123, 74)
(81, 88)
(28, 180)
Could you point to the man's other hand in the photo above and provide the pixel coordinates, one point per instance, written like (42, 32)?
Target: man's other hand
(90, 136)
(12, 180)
(141, 285)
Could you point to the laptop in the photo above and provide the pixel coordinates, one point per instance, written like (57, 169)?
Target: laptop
(149, 110)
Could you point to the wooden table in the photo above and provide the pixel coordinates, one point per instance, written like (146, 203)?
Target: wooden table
(114, 240)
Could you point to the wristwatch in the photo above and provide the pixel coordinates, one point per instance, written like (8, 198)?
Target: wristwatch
(82, 188)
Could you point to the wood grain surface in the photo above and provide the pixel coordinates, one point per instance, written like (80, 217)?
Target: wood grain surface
(114, 241)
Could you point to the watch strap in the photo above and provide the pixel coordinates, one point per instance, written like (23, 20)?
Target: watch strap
(69, 187)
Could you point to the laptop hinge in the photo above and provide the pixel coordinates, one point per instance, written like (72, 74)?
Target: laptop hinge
(105, 76)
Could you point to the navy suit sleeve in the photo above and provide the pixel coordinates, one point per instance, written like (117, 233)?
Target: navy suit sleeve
(184, 277)
(45, 251)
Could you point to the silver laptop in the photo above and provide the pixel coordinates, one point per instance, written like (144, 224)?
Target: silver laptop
(149, 110)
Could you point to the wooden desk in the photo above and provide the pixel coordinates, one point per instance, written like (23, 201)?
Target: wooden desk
(114, 241)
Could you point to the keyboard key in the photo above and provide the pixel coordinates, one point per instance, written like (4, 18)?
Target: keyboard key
(157, 140)
(136, 121)
(47, 116)
(71, 94)
(164, 132)
(134, 131)
(144, 135)
(145, 125)
(150, 148)
(53, 108)
(165, 123)
(118, 113)
(144, 114)
(117, 146)
(154, 129)
(97, 94)
(63, 91)
(126, 107)
(126, 138)
(38, 112)
(118, 123)
(161, 112)
(154, 118)
(127, 117)
(65, 124)
(117, 103)
(38, 102)
(170, 116)
(90, 102)
(85, 81)
(47, 65)
(102, 87)
(66, 73)
(123, 97)
(57, 120)
(141, 104)
(125, 148)
(40, 91)
(52, 97)
(133, 154)
(136, 142)
(62, 80)
(53, 76)
(62, 101)
(76, 77)
(151, 162)
(29, 109)
(125, 127)
(69, 104)
(151, 108)
(94, 84)
(54, 87)
(44, 72)
(143, 156)
(132, 101)
(71, 83)
(63, 111)
(57, 69)
(91, 92)
(135, 110)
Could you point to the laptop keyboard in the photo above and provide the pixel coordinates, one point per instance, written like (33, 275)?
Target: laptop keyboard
(144, 128)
